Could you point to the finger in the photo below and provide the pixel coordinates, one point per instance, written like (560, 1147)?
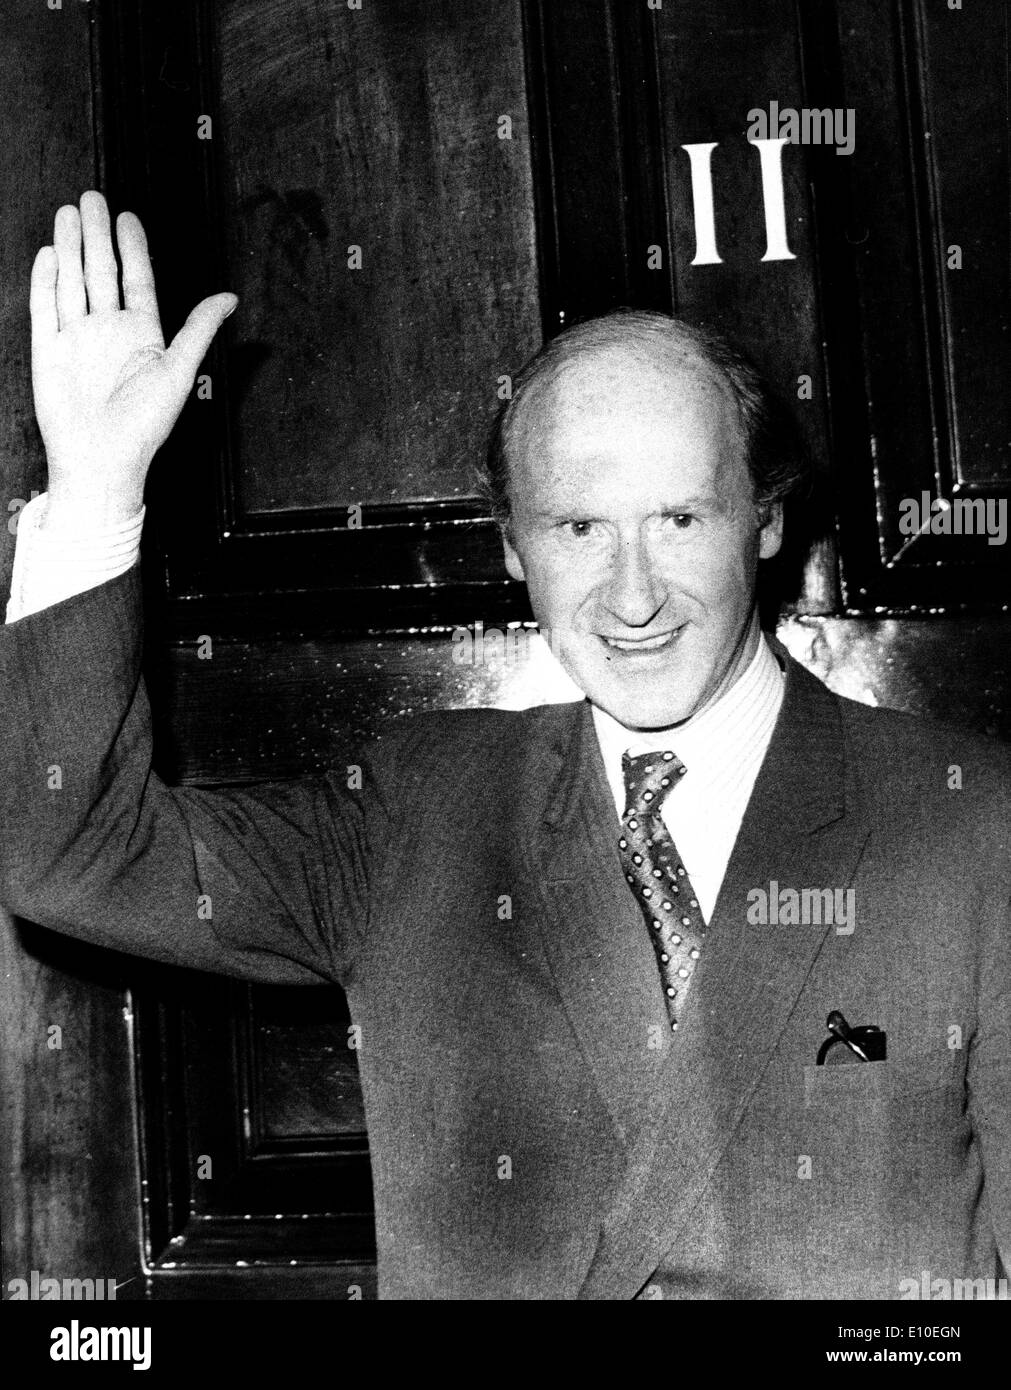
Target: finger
(189, 347)
(101, 279)
(42, 300)
(138, 277)
(70, 297)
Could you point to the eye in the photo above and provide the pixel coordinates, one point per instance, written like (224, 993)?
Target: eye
(682, 521)
(579, 529)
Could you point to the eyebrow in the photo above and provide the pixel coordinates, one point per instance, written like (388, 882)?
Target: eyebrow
(694, 504)
(688, 504)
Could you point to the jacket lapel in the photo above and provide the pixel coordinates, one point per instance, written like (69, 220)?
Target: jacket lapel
(593, 933)
(802, 828)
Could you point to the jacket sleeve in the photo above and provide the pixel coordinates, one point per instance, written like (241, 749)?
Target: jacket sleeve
(266, 883)
(990, 1068)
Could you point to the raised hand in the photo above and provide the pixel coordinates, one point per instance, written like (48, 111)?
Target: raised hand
(107, 390)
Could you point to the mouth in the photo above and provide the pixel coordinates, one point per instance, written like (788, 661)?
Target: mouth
(644, 646)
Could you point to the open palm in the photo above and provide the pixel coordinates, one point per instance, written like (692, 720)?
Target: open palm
(107, 391)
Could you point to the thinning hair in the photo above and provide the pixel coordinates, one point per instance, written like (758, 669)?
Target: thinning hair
(775, 459)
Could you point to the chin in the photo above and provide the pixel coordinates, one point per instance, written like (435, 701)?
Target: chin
(648, 721)
(645, 714)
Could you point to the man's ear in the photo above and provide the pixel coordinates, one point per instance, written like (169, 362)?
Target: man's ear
(514, 565)
(770, 535)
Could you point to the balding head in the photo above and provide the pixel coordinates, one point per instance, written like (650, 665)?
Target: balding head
(587, 362)
(632, 510)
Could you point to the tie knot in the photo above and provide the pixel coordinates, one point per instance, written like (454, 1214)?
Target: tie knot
(648, 779)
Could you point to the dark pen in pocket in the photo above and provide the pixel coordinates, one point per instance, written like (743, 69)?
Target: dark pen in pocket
(867, 1043)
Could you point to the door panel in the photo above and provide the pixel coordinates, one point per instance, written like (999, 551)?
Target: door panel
(377, 128)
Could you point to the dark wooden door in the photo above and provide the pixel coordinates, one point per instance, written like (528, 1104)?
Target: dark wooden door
(408, 198)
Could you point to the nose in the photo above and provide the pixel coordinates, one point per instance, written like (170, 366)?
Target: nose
(636, 591)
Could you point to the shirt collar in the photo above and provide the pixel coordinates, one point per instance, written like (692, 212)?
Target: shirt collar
(734, 729)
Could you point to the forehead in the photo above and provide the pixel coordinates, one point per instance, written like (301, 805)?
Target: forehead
(648, 421)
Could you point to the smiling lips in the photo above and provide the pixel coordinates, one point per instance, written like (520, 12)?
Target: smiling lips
(643, 645)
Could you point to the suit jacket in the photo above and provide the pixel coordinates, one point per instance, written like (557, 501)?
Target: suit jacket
(536, 1130)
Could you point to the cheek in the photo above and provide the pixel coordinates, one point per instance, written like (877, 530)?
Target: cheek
(723, 575)
(554, 587)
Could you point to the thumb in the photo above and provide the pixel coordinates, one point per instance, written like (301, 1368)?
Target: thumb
(189, 346)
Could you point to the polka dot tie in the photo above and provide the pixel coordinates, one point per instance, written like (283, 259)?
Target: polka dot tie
(657, 876)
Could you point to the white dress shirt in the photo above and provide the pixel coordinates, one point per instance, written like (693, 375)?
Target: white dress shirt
(722, 749)
(52, 565)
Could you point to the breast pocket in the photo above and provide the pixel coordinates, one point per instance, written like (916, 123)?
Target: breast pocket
(842, 1085)
(868, 1127)
(876, 1143)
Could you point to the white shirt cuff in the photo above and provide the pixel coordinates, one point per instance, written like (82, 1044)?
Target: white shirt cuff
(53, 565)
